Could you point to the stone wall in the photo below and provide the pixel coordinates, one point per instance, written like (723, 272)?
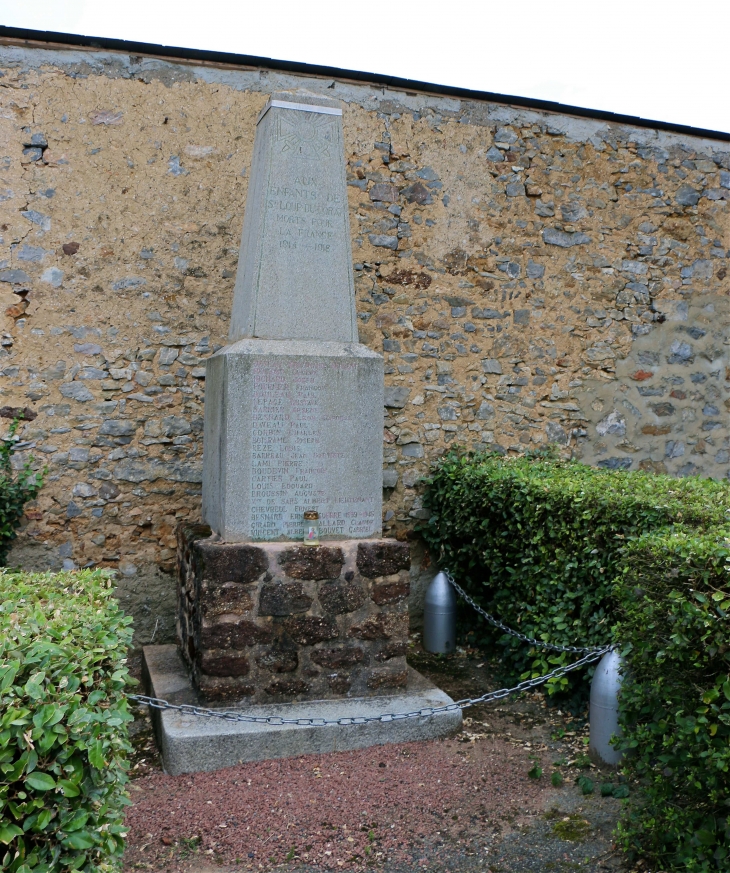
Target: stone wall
(529, 277)
(284, 622)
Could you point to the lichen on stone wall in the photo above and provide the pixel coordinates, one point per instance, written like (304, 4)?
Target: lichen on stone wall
(516, 269)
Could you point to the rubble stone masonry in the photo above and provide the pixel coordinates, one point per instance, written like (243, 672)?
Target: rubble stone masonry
(281, 621)
(530, 278)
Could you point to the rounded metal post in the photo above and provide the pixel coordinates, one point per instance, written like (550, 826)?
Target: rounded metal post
(605, 689)
(439, 616)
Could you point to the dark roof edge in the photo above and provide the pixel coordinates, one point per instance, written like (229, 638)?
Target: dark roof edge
(18, 34)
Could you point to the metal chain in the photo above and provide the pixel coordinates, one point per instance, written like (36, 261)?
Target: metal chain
(576, 650)
(589, 655)
(487, 697)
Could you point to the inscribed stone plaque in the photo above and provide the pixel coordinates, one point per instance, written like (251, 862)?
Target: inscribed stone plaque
(292, 426)
(294, 277)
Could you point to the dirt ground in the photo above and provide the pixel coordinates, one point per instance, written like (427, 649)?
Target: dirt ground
(500, 797)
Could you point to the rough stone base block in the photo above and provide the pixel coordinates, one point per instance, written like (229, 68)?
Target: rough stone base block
(277, 622)
(191, 744)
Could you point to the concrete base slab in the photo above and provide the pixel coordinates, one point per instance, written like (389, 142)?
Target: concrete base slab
(191, 744)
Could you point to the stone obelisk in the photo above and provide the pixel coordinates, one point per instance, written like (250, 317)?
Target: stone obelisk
(293, 424)
(294, 405)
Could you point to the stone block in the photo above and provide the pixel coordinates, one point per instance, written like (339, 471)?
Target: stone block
(224, 663)
(283, 598)
(227, 599)
(383, 626)
(396, 396)
(279, 660)
(382, 559)
(234, 635)
(231, 562)
(292, 426)
(311, 624)
(338, 656)
(295, 278)
(340, 597)
(384, 678)
(392, 650)
(391, 592)
(225, 688)
(288, 688)
(309, 629)
(312, 562)
(390, 477)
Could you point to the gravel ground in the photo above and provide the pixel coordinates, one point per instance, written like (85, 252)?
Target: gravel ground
(462, 804)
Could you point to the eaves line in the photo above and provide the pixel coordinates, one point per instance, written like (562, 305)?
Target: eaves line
(41, 39)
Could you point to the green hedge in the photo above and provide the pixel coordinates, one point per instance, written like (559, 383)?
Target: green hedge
(63, 722)
(576, 555)
(540, 542)
(674, 613)
(16, 489)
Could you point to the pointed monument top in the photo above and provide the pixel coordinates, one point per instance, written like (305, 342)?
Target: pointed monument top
(294, 277)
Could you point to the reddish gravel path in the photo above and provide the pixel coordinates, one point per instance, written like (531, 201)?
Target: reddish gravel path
(386, 804)
(460, 805)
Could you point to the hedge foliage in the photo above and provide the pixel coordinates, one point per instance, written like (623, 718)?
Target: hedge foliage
(63, 722)
(674, 612)
(541, 542)
(16, 489)
(581, 556)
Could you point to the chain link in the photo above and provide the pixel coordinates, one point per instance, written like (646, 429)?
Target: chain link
(575, 650)
(427, 712)
(589, 656)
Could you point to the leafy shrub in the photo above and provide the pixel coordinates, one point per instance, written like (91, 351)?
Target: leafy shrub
(16, 489)
(674, 608)
(540, 542)
(563, 552)
(63, 717)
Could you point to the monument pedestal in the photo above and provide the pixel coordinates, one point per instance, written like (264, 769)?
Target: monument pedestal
(276, 622)
(288, 631)
(292, 426)
(191, 744)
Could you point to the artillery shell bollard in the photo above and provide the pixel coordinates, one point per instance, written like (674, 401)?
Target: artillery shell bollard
(439, 616)
(605, 687)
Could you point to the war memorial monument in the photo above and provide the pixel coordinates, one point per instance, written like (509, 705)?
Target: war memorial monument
(290, 603)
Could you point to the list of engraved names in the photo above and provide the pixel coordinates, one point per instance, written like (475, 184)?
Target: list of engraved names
(296, 465)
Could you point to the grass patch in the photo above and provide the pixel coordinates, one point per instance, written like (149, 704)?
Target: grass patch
(572, 828)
